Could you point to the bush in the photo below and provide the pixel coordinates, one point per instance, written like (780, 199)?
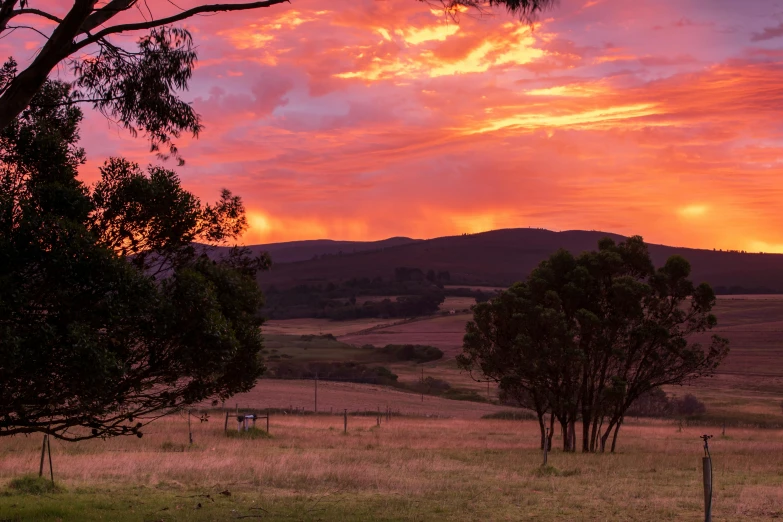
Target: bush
(33, 485)
(309, 337)
(654, 403)
(458, 394)
(334, 371)
(510, 415)
(689, 406)
(430, 386)
(412, 352)
(169, 446)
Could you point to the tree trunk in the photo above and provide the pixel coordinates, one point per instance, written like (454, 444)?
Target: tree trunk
(572, 434)
(605, 437)
(22, 89)
(616, 431)
(542, 427)
(587, 420)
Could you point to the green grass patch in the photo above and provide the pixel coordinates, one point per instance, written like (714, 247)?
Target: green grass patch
(551, 471)
(252, 433)
(34, 485)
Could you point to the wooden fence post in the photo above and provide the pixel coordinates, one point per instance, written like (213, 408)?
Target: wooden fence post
(190, 432)
(706, 469)
(345, 421)
(43, 453)
(49, 448)
(225, 425)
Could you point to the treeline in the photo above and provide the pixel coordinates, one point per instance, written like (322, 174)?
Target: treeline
(741, 290)
(408, 292)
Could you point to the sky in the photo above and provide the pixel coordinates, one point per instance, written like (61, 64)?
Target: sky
(367, 119)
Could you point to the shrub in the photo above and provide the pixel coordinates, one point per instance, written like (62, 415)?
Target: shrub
(334, 371)
(689, 406)
(169, 446)
(412, 352)
(458, 394)
(33, 485)
(654, 403)
(309, 337)
(510, 415)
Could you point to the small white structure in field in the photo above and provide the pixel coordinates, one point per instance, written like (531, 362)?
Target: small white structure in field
(243, 422)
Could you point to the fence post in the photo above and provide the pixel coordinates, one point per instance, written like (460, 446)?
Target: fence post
(267, 420)
(316, 393)
(345, 420)
(225, 425)
(190, 432)
(706, 463)
(49, 448)
(43, 453)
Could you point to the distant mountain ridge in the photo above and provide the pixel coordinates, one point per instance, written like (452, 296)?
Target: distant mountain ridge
(497, 258)
(293, 251)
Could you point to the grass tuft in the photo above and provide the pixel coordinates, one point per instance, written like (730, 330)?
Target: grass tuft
(551, 471)
(252, 434)
(33, 485)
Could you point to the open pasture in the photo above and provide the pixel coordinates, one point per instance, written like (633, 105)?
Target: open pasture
(444, 332)
(338, 396)
(406, 469)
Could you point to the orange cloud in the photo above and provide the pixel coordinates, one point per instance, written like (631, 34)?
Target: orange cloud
(376, 119)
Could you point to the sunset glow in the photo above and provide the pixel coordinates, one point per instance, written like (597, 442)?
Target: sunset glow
(368, 119)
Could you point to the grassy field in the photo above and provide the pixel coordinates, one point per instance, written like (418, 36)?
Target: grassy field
(407, 469)
(440, 462)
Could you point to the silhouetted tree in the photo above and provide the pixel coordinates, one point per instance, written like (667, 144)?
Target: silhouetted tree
(586, 336)
(92, 344)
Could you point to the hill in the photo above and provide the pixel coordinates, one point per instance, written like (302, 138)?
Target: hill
(292, 251)
(498, 258)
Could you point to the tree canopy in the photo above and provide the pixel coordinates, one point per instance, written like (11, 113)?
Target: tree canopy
(585, 336)
(139, 87)
(110, 312)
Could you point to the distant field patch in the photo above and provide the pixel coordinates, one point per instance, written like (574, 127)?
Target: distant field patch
(309, 347)
(444, 332)
(489, 289)
(320, 326)
(457, 303)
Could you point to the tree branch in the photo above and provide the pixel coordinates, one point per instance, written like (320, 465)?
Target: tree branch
(37, 12)
(212, 8)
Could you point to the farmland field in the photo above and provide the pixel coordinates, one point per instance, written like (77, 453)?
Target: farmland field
(406, 469)
(439, 460)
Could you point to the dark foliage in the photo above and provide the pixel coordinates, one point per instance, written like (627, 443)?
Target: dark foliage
(419, 353)
(91, 345)
(688, 406)
(584, 337)
(334, 371)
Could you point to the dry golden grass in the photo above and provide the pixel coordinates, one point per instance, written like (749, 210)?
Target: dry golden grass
(408, 469)
(445, 332)
(337, 396)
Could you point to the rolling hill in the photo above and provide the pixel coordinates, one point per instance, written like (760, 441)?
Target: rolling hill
(497, 258)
